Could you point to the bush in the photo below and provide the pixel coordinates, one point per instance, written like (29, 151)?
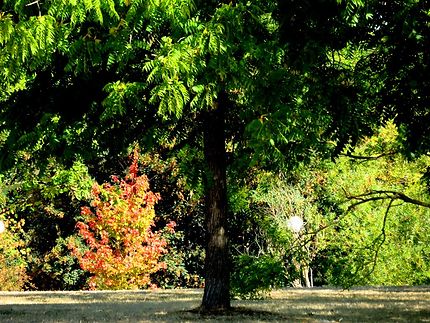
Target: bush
(13, 275)
(253, 277)
(180, 262)
(183, 203)
(44, 200)
(118, 246)
(60, 270)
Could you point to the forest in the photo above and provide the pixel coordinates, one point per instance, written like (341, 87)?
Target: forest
(234, 145)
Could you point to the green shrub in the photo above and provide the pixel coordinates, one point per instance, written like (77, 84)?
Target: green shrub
(44, 200)
(60, 268)
(13, 275)
(253, 277)
(181, 262)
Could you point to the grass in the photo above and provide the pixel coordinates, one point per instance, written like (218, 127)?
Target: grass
(382, 304)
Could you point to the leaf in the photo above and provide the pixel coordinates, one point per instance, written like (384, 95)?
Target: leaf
(198, 88)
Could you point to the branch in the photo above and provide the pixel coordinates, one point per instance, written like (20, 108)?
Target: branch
(362, 201)
(392, 195)
(32, 3)
(369, 157)
(376, 247)
(378, 242)
(381, 237)
(36, 3)
(369, 197)
(364, 198)
(408, 199)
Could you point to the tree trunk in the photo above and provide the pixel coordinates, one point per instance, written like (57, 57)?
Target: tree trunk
(217, 263)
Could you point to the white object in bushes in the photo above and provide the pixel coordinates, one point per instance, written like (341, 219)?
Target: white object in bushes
(295, 224)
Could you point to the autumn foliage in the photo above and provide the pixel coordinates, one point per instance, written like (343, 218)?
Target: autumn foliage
(121, 250)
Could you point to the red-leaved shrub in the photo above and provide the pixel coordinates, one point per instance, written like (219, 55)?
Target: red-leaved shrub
(121, 251)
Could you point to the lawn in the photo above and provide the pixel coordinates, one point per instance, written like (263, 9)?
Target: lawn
(382, 304)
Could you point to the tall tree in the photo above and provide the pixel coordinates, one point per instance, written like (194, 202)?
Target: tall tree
(183, 51)
(217, 264)
(204, 69)
(220, 67)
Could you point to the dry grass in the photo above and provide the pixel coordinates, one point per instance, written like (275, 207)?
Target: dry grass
(394, 304)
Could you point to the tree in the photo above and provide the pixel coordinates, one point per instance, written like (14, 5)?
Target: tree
(234, 80)
(210, 64)
(398, 35)
(211, 71)
(380, 205)
(192, 56)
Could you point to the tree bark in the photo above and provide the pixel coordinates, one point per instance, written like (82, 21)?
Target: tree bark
(216, 295)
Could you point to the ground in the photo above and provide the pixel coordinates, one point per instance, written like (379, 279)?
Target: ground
(378, 304)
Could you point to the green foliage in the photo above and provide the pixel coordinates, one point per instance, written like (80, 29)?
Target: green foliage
(279, 200)
(174, 63)
(13, 276)
(207, 56)
(397, 47)
(78, 12)
(253, 277)
(44, 201)
(355, 223)
(380, 237)
(61, 268)
(181, 262)
(119, 94)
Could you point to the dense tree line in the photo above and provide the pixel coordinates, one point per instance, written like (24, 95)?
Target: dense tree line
(222, 98)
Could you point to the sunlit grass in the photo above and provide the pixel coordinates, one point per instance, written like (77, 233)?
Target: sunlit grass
(395, 304)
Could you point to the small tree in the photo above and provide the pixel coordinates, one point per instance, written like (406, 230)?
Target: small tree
(122, 251)
(290, 218)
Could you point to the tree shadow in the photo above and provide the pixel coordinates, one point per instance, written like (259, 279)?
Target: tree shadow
(236, 312)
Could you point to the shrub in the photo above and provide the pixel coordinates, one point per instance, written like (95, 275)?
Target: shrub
(44, 200)
(119, 249)
(180, 262)
(13, 275)
(253, 276)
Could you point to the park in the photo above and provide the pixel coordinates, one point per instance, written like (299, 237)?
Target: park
(214, 160)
